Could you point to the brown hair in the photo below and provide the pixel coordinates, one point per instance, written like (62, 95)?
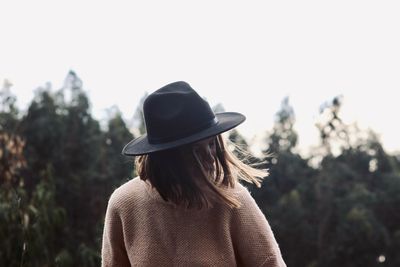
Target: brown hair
(180, 174)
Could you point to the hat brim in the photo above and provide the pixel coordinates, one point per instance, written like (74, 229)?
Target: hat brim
(226, 121)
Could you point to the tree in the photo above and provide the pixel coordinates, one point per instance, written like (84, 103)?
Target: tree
(334, 133)
(352, 231)
(44, 132)
(64, 137)
(286, 196)
(116, 167)
(283, 136)
(8, 108)
(138, 118)
(30, 225)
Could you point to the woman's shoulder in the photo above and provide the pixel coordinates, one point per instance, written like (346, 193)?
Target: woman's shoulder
(248, 203)
(242, 192)
(128, 193)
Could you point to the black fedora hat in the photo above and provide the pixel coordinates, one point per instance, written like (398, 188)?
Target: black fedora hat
(176, 115)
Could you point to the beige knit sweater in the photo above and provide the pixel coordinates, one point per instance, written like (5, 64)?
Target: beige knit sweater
(143, 230)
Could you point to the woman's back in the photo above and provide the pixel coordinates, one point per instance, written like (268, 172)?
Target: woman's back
(141, 229)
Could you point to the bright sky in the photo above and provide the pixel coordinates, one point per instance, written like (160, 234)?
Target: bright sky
(247, 55)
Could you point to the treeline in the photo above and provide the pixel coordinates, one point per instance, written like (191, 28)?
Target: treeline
(58, 166)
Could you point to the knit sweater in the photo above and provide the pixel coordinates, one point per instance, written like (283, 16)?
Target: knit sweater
(141, 229)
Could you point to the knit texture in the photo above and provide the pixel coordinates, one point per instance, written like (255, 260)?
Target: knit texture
(141, 229)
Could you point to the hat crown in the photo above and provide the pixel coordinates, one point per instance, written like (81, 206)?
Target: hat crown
(175, 111)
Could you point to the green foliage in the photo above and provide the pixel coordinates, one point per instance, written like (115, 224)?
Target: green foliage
(70, 167)
(8, 108)
(283, 136)
(139, 116)
(341, 212)
(45, 225)
(116, 137)
(12, 228)
(30, 225)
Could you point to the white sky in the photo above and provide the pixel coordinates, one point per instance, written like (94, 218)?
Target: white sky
(247, 55)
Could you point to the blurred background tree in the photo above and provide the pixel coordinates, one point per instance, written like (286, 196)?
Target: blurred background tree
(70, 168)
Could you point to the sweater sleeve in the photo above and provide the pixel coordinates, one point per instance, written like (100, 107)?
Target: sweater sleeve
(253, 240)
(113, 252)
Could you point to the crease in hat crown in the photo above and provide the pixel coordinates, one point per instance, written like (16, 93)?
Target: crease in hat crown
(175, 111)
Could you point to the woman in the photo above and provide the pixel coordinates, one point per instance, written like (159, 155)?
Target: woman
(186, 207)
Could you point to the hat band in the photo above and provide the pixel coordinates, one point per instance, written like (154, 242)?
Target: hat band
(160, 140)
